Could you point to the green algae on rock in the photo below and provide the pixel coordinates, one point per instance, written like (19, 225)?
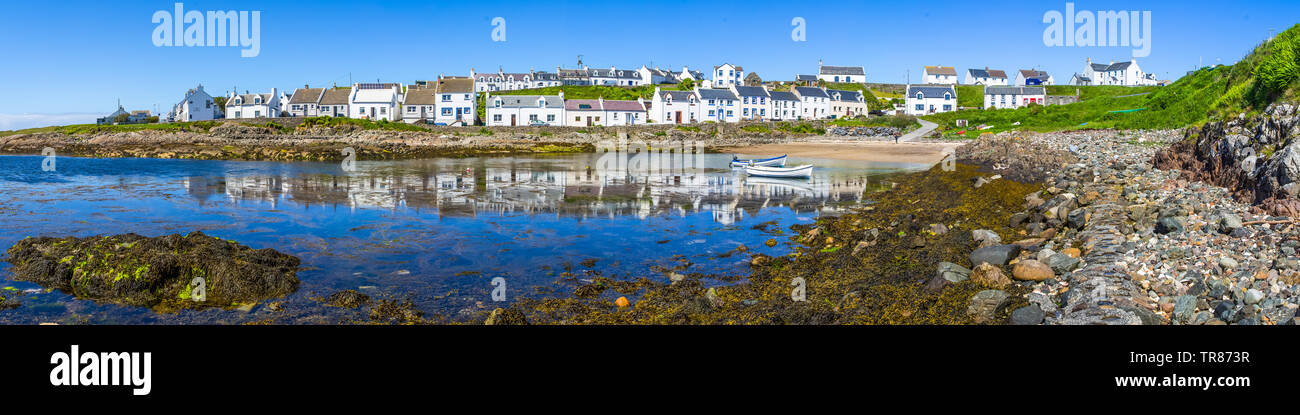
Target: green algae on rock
(166, 273)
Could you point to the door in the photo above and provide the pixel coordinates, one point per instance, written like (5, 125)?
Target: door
(679, 117)
(512, 119)
(588, 121)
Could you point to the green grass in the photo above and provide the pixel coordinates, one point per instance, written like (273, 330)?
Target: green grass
(970, 96)
(1099, 91)
(78, 129)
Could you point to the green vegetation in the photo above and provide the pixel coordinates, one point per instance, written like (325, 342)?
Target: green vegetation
(801, 128)
(903, 122)
(1099, 91)
(970, 96)
(1268, 74)
(199, 126)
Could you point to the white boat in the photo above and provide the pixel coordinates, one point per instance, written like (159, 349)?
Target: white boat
(774, 161)
(804, 171)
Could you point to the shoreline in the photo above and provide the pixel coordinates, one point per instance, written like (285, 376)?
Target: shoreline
(928, 153)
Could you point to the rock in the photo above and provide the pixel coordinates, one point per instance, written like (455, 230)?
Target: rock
(161, 273)
(1228, 263)
(348, 299)
(985, 305)
(1253, 296)
(506, 316)
(1229, 222)
(918, 242)
(770, 242)
(622, 302)
(676, 277)
(938, 228)
(1077, 218)
(1062, 263)
(1072, 252)
(996, 254)
(1018, 219)
(985, 237)
(1169, 224)
(1030, 315)
(989, 276)
(1043, 254)
(1184, 307)
(1032, 270)
(1224, 310)
(952, 272)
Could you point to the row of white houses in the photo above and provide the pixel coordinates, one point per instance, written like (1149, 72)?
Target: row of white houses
(723, 105)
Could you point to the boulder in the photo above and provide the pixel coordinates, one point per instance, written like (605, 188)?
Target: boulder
(1032, 270)
(985, 305)
(995, 254)
(989, 276)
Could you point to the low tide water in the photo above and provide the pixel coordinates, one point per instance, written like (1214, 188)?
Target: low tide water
(436, 232)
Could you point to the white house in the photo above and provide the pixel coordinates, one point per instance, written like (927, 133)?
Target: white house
(602, 112)
(930, 99)
(940, 75)
(755, 103)
(687, 73)
(785, 105)
(841, 74)
(196, 106)
(253, 105)
(334, 102)
(535, 110)
(999, 97)
(718, 105)
(656, 76)
(615, 77)
(1116, 73)
(1033, 77)
(986, 77)
(375, 102)
(814, 102)
(502, 81)
(456, 101)
(419, 104)
(847, 104)
(675, 107)
(726, 75)
(305, 102)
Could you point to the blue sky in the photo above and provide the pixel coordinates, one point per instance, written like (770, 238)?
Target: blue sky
(68, 61)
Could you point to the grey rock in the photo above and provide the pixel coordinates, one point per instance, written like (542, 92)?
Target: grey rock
(952, 272)
(1029, 315)
(1228, 263)
(1253, 296)
(1184, 307)
(1168, 225)
(1077, 218)
(997, 255)
(985, 237)
(1229, 222)
(1062, 263)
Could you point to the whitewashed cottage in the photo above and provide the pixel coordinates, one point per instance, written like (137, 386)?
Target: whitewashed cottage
(456, 101)
(1000, 97)
(785, 105)
(196, 106)
(930, 99)
(718, 105)
(841, 74)
(334, 102)
(305, 102)
(381, 101)
(253, 105)
(528, 110)
(726, 75)
(986, 77)
(674, 107)
(1033, 77)
(940, 75)
(815, 102)
(847, 104)
(755, 103)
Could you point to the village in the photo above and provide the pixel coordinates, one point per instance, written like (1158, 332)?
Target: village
(726, 94)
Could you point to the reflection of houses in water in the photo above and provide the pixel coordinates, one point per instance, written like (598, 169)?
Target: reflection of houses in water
(610, 184)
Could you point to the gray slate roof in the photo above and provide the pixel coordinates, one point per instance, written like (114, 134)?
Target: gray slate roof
(783, 96)
(1118, 66)
(930, 90)
(851, 96)
(681, 96)
(306, 95)
(807, 91)
(987, 73)
(842, 70)
(1015, 90)
(751, 91)
(526, 101)
(802, 78)
(706, 94)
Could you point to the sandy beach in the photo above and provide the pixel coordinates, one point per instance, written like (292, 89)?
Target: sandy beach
(873, 151)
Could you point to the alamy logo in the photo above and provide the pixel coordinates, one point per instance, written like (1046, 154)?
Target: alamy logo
(216, 28)
(800, 31)
(102, 369)
(1104, 28)
(498, 29)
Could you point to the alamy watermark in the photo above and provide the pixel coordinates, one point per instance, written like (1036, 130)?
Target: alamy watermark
(800, 31)
(214, 29)
(498, 29)
(49, 162)
(1108, 28)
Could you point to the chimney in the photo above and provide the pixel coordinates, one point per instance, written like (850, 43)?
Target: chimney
(561, 95)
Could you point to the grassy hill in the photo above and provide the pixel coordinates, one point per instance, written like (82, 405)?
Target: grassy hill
(1268, 74)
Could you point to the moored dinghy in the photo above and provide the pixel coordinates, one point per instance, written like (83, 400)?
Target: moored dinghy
(798, 172)
(774, 161)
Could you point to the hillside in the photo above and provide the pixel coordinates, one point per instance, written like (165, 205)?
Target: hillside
(1266, 75)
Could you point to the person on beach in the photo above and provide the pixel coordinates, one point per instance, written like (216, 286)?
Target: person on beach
(896, 138)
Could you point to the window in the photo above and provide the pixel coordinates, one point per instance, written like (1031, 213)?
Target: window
(745, 112)
(730, 113)
(532, 117)
(496, 117)
(410, 109)
(550, 117)
(383, 110)
(446, 97)
(710, 113)
(446, 111)
(947, 107)
(920, 107)
(947, 96)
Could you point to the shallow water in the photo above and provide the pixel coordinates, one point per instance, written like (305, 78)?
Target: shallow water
(435, 231)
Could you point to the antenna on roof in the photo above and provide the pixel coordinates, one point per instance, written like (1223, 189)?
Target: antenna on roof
(579, 61)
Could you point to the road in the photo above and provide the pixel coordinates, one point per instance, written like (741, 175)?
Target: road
(926, 128)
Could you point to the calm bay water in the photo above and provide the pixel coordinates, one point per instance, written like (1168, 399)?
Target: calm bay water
(435, 231)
